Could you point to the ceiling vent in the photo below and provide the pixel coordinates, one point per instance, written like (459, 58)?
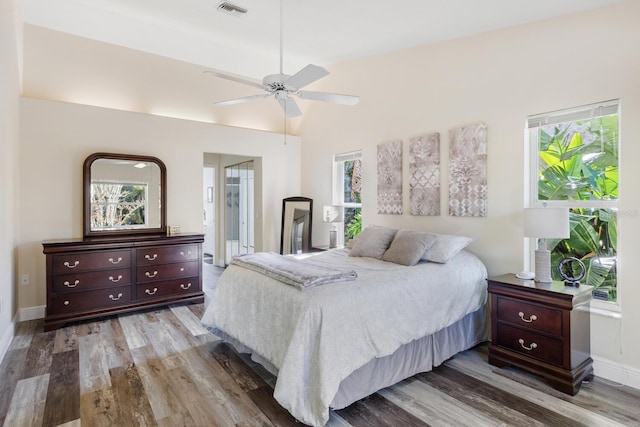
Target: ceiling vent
(231, 9)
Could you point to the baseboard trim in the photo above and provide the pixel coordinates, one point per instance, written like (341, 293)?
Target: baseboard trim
(616, 372)
(31, 313)
(5, 340)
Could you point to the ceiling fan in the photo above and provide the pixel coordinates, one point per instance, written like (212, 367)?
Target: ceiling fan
(283, 87)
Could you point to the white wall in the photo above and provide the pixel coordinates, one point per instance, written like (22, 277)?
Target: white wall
(498, 78)
(56, 137)
(10, 52)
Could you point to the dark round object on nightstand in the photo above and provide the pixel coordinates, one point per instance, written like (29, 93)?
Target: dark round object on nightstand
(568, 278)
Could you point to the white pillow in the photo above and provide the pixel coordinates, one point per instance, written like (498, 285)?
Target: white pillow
(373, 242)
(408, 246)
(446, 246)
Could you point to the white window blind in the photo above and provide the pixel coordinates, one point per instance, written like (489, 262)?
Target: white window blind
(580, 113)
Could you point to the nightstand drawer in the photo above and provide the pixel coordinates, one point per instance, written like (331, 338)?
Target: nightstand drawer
(530, 316)
(530, 344)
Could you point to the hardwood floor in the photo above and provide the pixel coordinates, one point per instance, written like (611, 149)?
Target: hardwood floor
(161, 368)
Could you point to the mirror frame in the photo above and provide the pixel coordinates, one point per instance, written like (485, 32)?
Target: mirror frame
(86, 201)
(284, 206)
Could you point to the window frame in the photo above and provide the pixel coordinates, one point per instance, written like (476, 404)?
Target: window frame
(338, 188)
(532, 172)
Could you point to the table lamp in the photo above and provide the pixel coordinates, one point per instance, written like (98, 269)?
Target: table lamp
(332, 214)
(542, 224)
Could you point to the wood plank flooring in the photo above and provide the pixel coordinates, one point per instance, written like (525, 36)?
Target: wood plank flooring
(161, 368)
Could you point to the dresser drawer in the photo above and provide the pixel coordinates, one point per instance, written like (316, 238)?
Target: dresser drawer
(87, 261)
(167, 254)
(177, 287)
(93, 280)
(93, 300)
(530, 344)
(530, 316)
(153, 273)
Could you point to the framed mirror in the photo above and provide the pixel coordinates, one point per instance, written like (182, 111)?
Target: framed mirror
(124, 194)
(296, 225)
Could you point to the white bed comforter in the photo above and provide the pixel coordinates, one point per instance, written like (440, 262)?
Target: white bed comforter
(317, 337)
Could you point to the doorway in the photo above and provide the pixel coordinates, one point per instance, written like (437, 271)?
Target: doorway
(209, 214)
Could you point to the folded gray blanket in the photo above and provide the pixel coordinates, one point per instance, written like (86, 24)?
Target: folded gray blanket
(291, 271)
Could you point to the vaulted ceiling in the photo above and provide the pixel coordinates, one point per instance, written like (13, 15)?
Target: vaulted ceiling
(321, 32)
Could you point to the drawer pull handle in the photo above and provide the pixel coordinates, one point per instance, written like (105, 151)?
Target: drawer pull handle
(151, 257)
(531, 318)
(533, 345)
(185, 287)
(115, 280)
(66, 302)
(116, 298)
(69, 285)
(155, 273)
(115, 262)
(75, 264)
(148, 292)
(181, 269)
(188, 254)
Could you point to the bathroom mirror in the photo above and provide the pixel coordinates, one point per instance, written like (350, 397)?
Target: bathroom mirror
(296, 225)
(124, 195)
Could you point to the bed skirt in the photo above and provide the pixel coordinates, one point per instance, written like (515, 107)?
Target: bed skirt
(420, 355)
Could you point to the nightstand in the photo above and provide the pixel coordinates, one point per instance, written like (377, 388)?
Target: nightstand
(542, 328)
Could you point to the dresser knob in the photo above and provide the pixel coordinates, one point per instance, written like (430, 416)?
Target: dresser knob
(531, 347)
(188, 254)
(531, 318)
(75, 264)
(151, 257)
(150, 275)
(66, 303)
(69, 285)
(112, 261)
(185, 287)
(115, 280)
(116, 298)
(148, 292)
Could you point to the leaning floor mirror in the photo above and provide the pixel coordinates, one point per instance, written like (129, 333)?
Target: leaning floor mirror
(296, 225)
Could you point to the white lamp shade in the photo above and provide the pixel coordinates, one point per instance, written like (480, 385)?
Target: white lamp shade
(546, 223)
(332, 214)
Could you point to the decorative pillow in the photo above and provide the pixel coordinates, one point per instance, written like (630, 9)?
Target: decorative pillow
(408, 246)
(372, 242)
(446, 246)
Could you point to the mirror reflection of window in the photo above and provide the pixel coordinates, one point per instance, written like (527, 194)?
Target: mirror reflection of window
(116, 205)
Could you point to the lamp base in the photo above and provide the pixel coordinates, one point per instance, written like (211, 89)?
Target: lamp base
(543, 266)
(333, 238)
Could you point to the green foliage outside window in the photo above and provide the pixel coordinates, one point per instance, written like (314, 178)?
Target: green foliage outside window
(579, 162)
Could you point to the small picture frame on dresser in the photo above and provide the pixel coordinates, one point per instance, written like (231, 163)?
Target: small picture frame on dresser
(172, 230)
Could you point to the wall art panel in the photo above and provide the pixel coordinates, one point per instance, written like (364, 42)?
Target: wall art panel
(390, 178)
(468, 171)
(424, 175)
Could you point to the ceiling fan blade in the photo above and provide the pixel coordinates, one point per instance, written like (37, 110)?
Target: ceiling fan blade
(290, 107)
(243, 99)
(236, 79)
(307, 75)
(328, 97)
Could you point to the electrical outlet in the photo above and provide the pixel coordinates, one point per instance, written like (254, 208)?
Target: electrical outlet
(25, 280)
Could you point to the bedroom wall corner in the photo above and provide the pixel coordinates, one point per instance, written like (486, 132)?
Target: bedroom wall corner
(10, 87)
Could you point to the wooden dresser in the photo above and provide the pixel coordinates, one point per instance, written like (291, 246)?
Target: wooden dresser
(89, 278)
(543, 328)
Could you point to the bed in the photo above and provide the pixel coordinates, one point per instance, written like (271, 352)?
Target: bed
(333, 344)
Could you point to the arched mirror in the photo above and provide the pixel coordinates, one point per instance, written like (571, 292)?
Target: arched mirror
(296, 225)
(124, 194)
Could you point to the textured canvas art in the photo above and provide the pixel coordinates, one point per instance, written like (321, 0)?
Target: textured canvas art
(390, 178)
(468, 171)
(424, 175)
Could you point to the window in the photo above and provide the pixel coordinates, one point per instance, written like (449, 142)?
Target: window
(118, 205)
(575, 161)
(347, 192)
